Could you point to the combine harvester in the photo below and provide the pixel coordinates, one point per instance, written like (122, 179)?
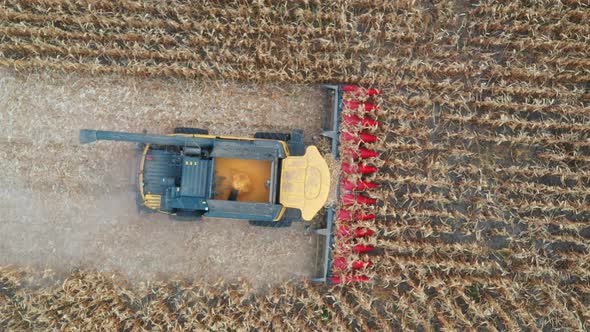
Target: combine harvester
(271, 179)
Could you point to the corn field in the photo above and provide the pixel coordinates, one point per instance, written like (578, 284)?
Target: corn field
(483, 204)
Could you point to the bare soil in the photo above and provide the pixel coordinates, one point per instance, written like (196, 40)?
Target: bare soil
(64, 205)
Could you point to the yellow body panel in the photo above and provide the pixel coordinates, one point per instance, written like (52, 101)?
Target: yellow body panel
(141, 167)
(280, 216)
(152, 201)
(305, 182)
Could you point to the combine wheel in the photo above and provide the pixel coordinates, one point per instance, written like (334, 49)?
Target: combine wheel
(273, 136)
(187, 216)
(191, 131)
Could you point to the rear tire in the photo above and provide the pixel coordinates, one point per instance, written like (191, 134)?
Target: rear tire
(191, 131)
(273, 136)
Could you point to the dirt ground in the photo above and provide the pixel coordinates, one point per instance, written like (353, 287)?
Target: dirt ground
(65, 206)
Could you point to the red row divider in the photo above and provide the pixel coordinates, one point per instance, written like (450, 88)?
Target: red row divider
(359, 124)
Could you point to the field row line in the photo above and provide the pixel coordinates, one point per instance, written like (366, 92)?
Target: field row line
(515, 123)
(195, 11)
(514, 10)
(457, 87)
(486, 71)
(561, 28)
(163, 40)
(213, 25)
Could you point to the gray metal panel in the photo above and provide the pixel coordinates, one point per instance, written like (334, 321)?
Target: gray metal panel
(163, 165)
(296, 144)
(173, 200)
(326, 255)
(331, 128)
(88, 136)
(243, 210)
(188, 203)
(274, 170)
(253, 150)
(195, 177)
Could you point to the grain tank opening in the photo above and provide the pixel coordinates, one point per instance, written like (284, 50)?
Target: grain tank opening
(243, 180)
